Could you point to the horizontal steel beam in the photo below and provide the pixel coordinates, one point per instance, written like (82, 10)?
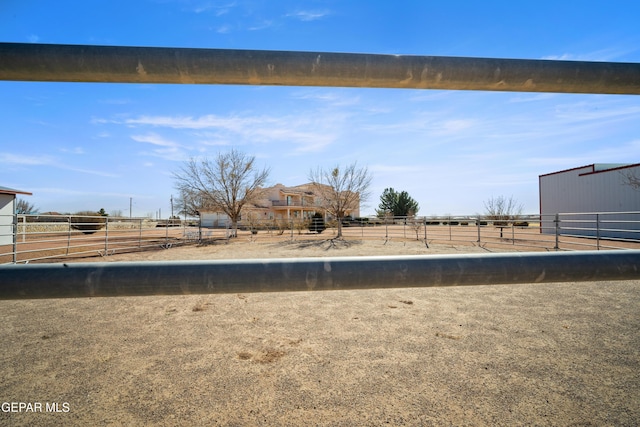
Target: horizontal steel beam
(120, 64)
(311, 274)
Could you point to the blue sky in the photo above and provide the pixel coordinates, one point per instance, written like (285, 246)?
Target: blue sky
(89, 146)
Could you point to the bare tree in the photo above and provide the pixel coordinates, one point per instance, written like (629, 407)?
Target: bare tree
(24, 207)
(226, 183)
(502, 209)
(188, 204)
(415, 223)
(341, 190)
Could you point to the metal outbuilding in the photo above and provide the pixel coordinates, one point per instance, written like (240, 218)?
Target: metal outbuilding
(602, 191)
(7, 212)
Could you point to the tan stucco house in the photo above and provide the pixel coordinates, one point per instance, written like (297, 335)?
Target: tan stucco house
(278, 202)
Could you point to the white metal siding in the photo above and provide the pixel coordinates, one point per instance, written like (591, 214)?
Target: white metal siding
(569, 192)
(214, 220)
(7, 206)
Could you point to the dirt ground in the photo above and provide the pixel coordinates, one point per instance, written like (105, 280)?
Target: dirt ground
(529, 354)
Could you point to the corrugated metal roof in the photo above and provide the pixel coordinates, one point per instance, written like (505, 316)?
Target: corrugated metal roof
(7, 190)
(596, 167)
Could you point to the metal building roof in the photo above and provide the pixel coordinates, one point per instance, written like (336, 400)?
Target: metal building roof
(7, 190)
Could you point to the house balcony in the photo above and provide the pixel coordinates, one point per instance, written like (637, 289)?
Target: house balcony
(294, 204)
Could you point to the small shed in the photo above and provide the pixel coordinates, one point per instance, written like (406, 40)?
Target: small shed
(7, 213)
(214, 219)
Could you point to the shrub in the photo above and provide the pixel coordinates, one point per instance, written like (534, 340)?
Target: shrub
(317, 223)
(87, 221)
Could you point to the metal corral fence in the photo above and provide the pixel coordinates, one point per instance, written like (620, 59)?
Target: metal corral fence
(52, 237)
(603, 230)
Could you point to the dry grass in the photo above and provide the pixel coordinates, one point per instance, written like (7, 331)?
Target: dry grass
(545, 354)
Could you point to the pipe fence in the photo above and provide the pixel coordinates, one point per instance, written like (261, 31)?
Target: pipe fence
(110, 279)
(604, 230)
(122, 64)
(50, 238)
(34, 62)
(54, 237)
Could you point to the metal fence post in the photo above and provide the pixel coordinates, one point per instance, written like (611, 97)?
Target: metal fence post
(15, 237)
(426, 242)
(68, 233)
(598, 231)
(106, 236)
(478, 226)
(404, 228)
(557, 223)
(386, 229)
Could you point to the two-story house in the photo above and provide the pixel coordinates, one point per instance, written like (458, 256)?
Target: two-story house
(277, 202)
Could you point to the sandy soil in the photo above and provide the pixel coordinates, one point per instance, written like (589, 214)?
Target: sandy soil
(221, 249)
(550, 354)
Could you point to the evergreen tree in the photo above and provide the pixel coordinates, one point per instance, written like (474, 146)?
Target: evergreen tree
(396, 204)
(317, 223)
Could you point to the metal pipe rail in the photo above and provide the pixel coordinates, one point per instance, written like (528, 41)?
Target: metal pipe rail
(121, 64)
(310, 274)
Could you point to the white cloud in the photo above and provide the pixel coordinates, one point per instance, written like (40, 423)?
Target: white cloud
(594, 110)
(168, 150)
(87, 171)
(186, 122)
(601, 55)
(218, 9)
(93, 193)
(263, 25)
(394, 169)
(454, 126)
(19, 159)
(330, 98)
(306, 132)
(531, 98)
(154, 139)
(75, 150)
(121, 101)
(308, 15)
